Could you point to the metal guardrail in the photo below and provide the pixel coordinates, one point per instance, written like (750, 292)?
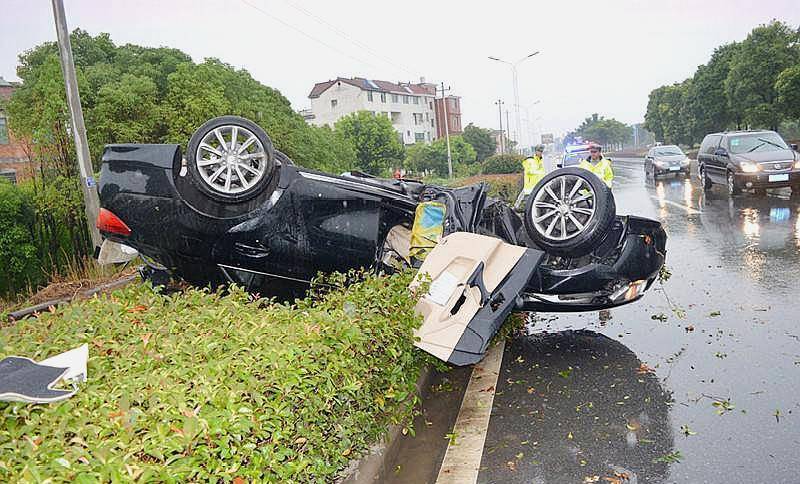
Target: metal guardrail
(9, 174)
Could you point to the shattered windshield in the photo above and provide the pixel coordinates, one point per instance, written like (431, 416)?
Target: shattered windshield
(757, 142)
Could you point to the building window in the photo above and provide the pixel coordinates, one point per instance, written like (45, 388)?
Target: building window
(396, 117)
(416, 100)
(419, 137)
(3, 131)
(395, 98)
(430, 105)
(405, 99)
(369, 96)
(383, 97)
(428, 135)
(334, 102)
(432, 123)
(417, 118)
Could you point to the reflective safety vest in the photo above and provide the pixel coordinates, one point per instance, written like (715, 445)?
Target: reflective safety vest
(534, 171)
(602, 169)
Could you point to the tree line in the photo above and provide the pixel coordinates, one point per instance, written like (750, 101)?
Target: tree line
(751, 84)
(605, 131)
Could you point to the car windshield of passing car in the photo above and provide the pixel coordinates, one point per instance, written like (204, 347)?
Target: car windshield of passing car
(573, 155)
(668, 151)
(758, 142)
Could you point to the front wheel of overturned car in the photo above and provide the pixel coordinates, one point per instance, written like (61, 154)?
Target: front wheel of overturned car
(230, 159)
(569, 212)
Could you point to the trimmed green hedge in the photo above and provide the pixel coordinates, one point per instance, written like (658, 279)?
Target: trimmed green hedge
(502, 164)
(205, 387)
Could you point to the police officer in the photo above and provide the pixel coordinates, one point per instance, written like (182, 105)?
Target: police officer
(598, 164)
(533, 168)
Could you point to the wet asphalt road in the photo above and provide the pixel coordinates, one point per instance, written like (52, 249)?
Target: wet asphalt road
(697, 382)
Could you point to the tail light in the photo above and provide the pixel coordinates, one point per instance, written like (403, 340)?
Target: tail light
(108, 222)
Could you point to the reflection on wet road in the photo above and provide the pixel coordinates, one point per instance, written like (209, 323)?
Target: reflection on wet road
(697, 382)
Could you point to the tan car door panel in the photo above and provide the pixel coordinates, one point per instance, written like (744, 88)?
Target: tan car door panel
(475, 281)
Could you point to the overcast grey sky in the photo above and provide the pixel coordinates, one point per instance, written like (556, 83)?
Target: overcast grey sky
(596, 56)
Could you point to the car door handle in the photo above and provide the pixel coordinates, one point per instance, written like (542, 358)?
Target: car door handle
(256, 252)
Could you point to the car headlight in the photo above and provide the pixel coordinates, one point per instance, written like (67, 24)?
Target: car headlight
(685, 161)
(660, 163)
(797, 164)
(749, 167)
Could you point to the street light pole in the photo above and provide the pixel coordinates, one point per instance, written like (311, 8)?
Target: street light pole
(447, 133)
(514, 78)
(500, 112)
(508, 127)
(88, 183)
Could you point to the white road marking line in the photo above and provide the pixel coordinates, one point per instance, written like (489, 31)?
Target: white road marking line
(688, 209)
(462, 460)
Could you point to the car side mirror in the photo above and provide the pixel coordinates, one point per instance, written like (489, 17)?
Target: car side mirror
(559, 165)
(794, 146)
(721, 152)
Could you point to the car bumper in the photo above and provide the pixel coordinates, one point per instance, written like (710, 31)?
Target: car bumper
(672, 169)
(762, 180)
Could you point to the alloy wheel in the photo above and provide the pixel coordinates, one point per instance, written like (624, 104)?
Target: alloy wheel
(563, 208)
(231, 159)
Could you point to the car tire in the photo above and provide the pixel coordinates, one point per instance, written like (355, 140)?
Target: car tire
(733, 188)
(576, 203)
(230, 159)
(704, 181)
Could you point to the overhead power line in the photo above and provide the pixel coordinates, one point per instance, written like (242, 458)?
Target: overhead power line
(348, 37)
(306, 34)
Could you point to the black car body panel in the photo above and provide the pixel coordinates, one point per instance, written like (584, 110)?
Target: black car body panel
(306, 222)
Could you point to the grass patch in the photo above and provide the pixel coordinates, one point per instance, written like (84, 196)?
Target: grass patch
(207, 387)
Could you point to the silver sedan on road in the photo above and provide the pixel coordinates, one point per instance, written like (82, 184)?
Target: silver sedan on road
(666, 159)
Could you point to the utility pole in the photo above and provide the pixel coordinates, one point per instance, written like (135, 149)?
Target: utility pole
(88, 183)
(502, 135)
(447, 133)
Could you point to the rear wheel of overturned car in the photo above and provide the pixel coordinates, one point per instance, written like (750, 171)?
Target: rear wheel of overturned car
(569, 212)
(230, 159)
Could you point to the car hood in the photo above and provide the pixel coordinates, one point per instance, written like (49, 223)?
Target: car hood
(765, 156)
(670, 158)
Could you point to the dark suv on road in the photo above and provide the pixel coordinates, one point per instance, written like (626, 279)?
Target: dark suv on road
(748, 160)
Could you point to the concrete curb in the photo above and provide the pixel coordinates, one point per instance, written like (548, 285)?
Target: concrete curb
(37, 308)
(371, 466)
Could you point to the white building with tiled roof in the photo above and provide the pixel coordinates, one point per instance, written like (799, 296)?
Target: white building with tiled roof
(409, 106)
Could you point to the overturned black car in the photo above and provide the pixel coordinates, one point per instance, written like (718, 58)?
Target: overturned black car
(234, 209)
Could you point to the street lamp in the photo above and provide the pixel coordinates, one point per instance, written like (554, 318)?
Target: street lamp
(527, 109)
(516, 85)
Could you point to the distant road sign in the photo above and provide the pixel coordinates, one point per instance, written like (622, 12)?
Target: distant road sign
(547, 138)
